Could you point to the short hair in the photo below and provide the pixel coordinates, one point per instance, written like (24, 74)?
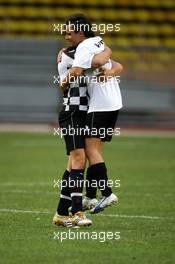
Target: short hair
(80, 23)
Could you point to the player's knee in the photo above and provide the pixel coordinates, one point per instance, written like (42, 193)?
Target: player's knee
(78, 159)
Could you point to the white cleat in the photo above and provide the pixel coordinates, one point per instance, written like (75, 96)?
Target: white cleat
(104, 202)
(80, 219)
(89, 203)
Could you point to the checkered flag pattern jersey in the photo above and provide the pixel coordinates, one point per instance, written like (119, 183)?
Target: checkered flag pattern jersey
(75, 96)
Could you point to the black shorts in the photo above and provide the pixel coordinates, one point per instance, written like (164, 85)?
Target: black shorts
(71, 124)
(101, 124)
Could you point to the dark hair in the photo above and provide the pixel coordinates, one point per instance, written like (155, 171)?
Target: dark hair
(81, 23)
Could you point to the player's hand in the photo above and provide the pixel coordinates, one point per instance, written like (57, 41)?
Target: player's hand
(108, 73)
(105, 75)
(59, 56)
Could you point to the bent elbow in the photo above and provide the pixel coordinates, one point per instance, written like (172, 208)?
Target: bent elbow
(120, 68)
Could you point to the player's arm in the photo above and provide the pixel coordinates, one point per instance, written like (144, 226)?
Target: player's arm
(109, 73)
(115, 70)
(73, 73)
(62, 68)
(89, 61)
(97, 61)
(59, 56)
(101, 58)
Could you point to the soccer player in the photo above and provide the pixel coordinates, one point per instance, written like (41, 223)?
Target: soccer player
(73, 115)
(104, 104)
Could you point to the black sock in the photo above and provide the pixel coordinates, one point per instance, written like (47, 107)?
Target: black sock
(76, 189)
(91, 183)
(65, 198)
(100, 171)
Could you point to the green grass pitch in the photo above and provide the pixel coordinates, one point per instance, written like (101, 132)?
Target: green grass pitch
(145, 215)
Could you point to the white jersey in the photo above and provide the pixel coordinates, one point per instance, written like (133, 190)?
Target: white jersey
(104, 96)
(64, 66)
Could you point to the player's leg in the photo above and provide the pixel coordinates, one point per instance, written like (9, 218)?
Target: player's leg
(77, 178)
(97, 169)
(78, 160)
(65, 198)
(90, 200)
(96, 122)
(93, 153)
(62, 214)
(75, 144)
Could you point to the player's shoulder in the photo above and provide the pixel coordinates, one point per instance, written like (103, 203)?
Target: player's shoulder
(70, 52)
(89, 42)
(67, 56)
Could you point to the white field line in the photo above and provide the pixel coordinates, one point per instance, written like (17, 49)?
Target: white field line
(5, 210)
(134, 216)
(29, 192)
(25, 183)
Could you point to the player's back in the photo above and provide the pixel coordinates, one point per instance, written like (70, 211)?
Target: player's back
(104, 96)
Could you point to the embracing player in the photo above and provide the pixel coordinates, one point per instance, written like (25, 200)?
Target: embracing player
(104, 104)
(73, 115)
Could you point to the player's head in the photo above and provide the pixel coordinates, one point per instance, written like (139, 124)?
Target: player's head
(78, 28)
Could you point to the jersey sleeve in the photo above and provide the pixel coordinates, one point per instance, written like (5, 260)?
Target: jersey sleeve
(63, 67)
(83, 58)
